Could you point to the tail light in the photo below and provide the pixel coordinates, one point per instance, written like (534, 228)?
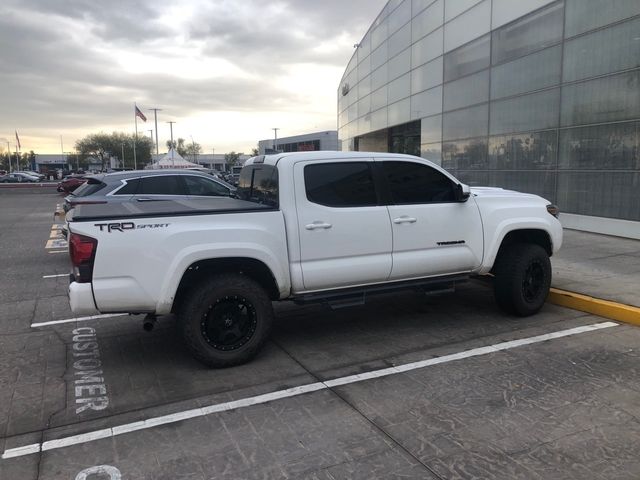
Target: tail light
(553, 210)
(82, 250)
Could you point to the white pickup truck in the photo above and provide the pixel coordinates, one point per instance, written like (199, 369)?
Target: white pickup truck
(307, 227)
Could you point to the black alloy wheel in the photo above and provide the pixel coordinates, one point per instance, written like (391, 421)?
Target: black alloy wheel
(229, 323)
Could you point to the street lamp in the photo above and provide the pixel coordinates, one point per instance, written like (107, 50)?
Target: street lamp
(173, 163)
(122, 155)
(275, 139)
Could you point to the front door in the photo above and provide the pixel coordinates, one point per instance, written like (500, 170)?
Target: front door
(433, 234)
(345, 233)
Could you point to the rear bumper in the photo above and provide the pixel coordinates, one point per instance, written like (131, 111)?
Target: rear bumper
(81, 299)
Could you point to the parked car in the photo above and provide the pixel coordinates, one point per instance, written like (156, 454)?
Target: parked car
(146, 186)
(71, 182)
(24, 177)
(8, 179)
(332, 227)
(40, 176)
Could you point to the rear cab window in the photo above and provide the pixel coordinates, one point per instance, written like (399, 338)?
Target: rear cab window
(258, 183)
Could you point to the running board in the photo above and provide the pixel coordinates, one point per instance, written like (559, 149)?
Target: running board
(357, 296)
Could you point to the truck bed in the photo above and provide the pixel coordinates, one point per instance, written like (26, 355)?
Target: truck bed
(163, 208)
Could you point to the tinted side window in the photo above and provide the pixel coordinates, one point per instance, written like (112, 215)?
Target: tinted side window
(204, 187)
(259, 183)
(343, 184)
(130, 188)
(161, 185)
(417, 183)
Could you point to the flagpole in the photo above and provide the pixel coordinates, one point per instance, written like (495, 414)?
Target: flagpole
(9, 155)
(135, 139)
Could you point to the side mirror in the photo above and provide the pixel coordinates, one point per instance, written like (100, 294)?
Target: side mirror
(462, 192)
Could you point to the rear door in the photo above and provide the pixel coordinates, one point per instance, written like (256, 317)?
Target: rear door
(345, 233)
(433, 234)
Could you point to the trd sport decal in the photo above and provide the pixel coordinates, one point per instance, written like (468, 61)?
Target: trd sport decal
(123, 226)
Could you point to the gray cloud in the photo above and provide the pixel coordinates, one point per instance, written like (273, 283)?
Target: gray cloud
(57, 72)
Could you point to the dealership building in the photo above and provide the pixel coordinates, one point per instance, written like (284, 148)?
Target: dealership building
(533, 95)
(308, 142)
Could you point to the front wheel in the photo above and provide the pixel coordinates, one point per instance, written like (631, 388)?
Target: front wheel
(226, 320)
(523, 278)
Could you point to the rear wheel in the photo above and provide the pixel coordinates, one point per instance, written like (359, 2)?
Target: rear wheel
(523, 278)
(226, 320)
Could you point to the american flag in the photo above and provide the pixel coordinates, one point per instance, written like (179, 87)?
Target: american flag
(18, 140)
(140, 114)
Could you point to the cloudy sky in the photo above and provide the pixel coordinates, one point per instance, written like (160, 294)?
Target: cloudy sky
(226, 71)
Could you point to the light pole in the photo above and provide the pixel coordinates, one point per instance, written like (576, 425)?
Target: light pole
(193, 149)
(155, 117)
(122, 155)
(173, 163)
(275, 138)
(213, 158)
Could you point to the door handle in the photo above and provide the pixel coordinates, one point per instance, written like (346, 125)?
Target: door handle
(404, 219)
(317, 225)
(144, 199)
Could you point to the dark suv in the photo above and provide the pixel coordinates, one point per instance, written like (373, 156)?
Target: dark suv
(147, 186)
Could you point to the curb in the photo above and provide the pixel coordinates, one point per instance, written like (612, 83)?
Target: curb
(596, 306)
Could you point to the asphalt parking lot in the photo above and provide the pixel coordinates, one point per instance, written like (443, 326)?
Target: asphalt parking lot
(407, 386)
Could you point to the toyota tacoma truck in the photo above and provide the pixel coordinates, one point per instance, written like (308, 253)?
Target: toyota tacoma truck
(328, 227)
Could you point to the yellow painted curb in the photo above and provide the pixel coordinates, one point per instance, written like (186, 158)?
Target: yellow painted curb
(596, 306)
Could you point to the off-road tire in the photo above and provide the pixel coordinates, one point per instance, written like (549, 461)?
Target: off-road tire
(522, 278)
(208, 307)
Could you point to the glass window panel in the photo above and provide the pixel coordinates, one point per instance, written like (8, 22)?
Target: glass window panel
(538, 183)
(427, 76)
(603, 147)
(400, 88)
(504, 11)
(526, 151)
(364, 48)
(431, 129)
(379, 56)
(467, 91)
(606, 99)
(533, 72)
(374, 141)
(398, 112)
(432, 152)
(353, 61)
(400, 40)
(419, 5)
(533, 32)
(426, 103)
(379, 77)
(453, 8)
(379, 119)
(465, 154)
(468, 26)
(600, 194)
(364, 124)
(427, 21)
(344, 184)
(585, 15)
(537, 111)
(468, 59)
(400, 64)
(414, 183)
(605, 51)
(379, 98)
(378, 35)
(473, 178)
(427, 49)
(352, 112)
(364, 87)
(400, 16)
(364, 105)
(200, 186)
(470, 122)
(364, 68)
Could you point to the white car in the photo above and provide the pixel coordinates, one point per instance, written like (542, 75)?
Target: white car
(307, 227)
(24, 177)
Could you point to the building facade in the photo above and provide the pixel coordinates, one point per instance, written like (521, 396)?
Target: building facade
(327, 140)
(535, 95)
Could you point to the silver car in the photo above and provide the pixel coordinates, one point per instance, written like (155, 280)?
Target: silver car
(147, 186)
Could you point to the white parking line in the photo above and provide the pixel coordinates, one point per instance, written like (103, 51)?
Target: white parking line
(289, 392)
(60, 251)
(78, 319)
(56, 276)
